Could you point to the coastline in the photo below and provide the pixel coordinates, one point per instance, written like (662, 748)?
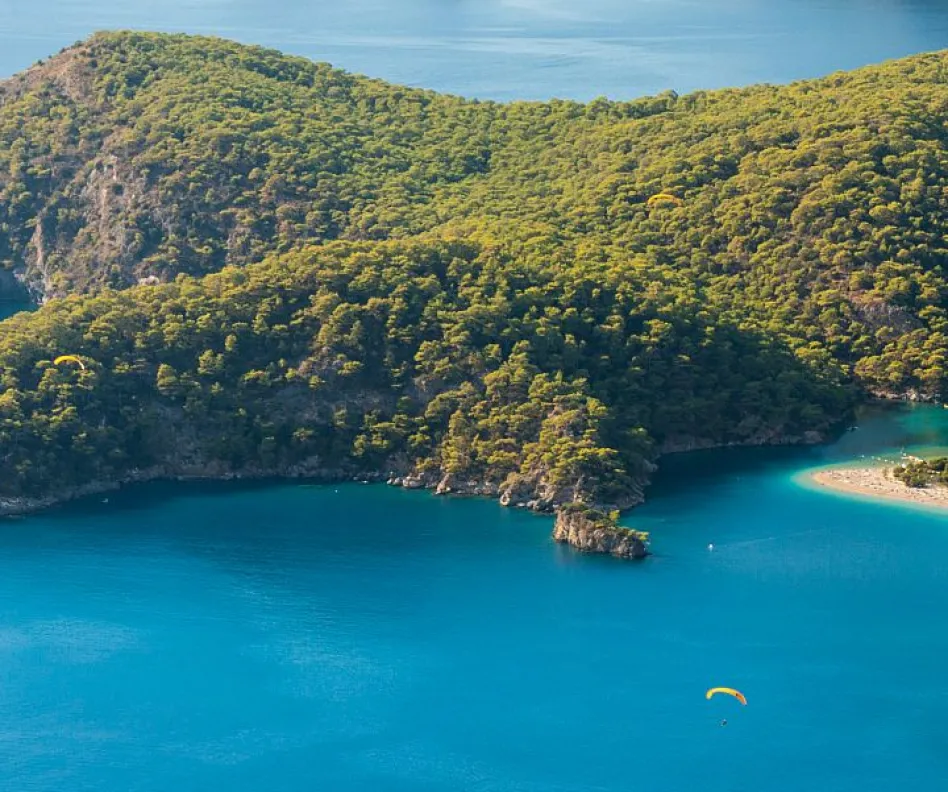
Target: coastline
(876, 482)
(398, 475)
(441, 485)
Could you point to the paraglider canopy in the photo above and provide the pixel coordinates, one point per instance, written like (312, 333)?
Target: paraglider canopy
(727, 691)
(69, 359)
(664, 197)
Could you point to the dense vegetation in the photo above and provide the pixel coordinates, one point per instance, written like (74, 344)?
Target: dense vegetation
(519, 371)
(921, 473)
(818, 210)
(453, 290)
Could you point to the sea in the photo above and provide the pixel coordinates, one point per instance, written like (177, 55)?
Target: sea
(520, 49)
(361, 638)
(10, 307)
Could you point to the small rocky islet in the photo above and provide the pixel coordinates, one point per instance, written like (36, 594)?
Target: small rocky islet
(593, 531)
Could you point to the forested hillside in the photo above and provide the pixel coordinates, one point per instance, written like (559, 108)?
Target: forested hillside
(516, 373)
(531, 298)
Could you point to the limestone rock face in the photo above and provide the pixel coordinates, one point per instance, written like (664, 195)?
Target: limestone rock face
(592, 532)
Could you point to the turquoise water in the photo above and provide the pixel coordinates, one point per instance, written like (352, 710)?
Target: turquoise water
(358, 637)
(532, 49)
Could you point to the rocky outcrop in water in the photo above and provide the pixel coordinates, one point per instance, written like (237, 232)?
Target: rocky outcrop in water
(593, 531)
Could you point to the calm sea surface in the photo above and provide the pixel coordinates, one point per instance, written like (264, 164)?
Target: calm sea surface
(533, 49)
(11, 307)
(366, 638)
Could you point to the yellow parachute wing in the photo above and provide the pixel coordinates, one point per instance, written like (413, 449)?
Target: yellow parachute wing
(664, 197)
(727, 691)
(69, 359)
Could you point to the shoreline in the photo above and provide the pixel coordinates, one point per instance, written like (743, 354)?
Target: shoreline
(393, 475)
(876, 482)
(21, 506)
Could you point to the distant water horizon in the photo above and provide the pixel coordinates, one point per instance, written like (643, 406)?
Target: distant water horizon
(521, 49)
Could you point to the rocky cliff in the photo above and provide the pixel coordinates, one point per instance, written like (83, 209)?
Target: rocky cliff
(593, 531)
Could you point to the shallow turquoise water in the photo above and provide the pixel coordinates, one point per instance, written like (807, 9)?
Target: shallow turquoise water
(532, 49)
(367, 638)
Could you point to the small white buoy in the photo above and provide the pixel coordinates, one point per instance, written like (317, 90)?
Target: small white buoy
(710, 547)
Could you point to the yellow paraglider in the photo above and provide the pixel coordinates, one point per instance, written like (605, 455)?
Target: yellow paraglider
(70, 358)
(728, 691)
(664, 197)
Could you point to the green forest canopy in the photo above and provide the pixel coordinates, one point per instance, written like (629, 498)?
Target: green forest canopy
(921, 473)
(462, 290)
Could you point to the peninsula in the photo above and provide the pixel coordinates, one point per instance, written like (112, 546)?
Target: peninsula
(268, 266)
(912, 481)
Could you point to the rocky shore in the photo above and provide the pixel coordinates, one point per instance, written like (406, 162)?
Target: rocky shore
(519, 492)
(586, 528)
(530, 493)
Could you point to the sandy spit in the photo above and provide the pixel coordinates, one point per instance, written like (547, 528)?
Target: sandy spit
(878, 482)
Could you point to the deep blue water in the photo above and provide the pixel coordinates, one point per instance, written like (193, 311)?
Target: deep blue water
(304, 638)
(532, 49)
(11, 307)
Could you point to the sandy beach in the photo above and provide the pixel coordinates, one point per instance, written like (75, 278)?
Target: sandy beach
(878, 482)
